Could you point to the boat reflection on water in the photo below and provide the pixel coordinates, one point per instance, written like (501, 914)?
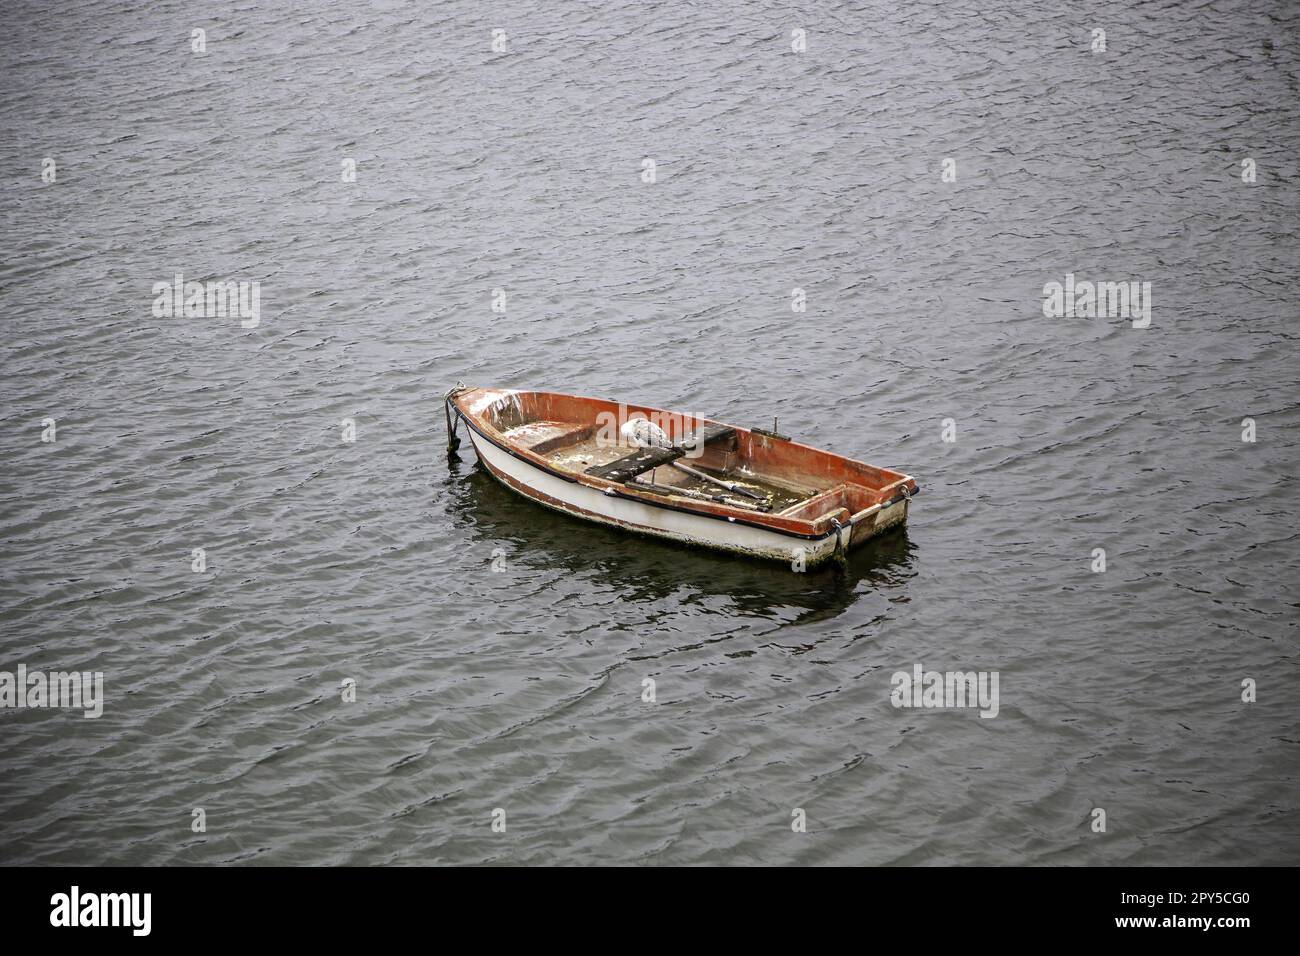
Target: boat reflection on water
(650, 569)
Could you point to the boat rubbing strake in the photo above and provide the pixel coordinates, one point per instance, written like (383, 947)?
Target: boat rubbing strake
(678, 476)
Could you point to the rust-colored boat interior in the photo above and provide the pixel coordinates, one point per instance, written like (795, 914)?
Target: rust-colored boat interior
(575, 435)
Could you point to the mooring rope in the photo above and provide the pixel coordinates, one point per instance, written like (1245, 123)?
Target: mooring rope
(449, 410)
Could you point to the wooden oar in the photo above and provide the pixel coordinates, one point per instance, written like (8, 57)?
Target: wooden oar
(730, 486)
(698, 495)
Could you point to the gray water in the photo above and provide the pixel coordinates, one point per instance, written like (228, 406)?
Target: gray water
(521, 689)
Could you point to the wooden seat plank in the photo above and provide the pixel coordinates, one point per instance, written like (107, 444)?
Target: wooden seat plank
(707, 436)
(629, 466)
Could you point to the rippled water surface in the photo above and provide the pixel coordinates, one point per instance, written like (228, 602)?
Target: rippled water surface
(775, 170)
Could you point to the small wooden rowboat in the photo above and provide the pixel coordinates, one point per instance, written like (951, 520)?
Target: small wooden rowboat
(748, 491)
